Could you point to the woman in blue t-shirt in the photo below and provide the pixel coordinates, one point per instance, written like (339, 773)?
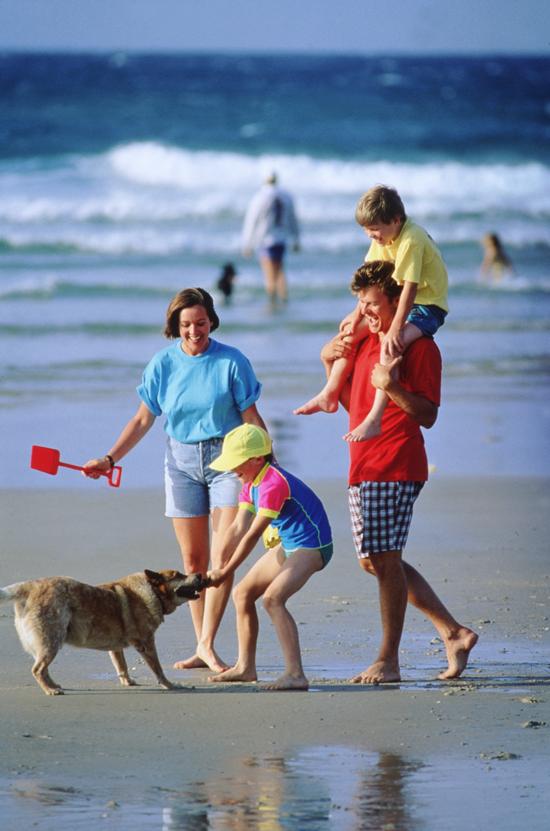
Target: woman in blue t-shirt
(204, 389)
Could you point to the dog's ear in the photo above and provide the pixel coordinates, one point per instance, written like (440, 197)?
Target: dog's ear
(154, 577)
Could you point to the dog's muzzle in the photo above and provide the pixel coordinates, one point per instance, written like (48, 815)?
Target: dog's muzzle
(193, 585)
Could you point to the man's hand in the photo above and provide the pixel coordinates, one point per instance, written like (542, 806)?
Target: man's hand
(336, 348)
(382, 375)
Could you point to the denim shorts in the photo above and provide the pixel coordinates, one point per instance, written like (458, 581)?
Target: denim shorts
(192, 487)
(427, 318)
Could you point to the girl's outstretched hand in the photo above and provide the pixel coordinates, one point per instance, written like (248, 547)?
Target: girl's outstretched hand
(216, 577)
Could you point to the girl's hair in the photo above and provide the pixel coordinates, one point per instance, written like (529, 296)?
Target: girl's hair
(379, 204)
(186, 299)
(376, 273)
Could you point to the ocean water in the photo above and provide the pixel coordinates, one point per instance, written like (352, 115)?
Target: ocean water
(124, 178)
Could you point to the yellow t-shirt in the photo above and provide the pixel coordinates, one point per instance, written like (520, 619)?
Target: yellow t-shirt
(417, 260)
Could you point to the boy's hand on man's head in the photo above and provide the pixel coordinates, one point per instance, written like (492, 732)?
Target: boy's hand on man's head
(392, 345)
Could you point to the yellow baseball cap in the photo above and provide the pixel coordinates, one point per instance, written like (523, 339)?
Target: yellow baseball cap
(242, 443)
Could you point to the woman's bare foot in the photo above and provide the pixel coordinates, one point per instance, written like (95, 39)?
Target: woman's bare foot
(368, 429)
(203, 658)
(288, 682)
(381, 672)
(324, 402)
(458, 648)
(234, 674)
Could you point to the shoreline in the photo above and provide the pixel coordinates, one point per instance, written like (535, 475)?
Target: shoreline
(212, 752)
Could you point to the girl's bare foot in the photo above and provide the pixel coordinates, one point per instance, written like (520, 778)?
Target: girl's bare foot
(458, 648)
(324, 402)
(288, 682)
(234, 674)
(380, 672)
(203, 658)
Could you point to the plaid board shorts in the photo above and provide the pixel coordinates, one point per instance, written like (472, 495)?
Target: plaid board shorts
(381, 514)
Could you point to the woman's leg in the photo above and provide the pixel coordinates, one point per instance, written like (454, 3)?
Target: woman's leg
(215, 599)
(192, 535)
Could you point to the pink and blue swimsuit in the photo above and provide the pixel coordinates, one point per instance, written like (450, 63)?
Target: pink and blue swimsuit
(294, 509)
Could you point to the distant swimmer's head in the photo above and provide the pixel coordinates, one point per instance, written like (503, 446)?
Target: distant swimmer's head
(271, 178)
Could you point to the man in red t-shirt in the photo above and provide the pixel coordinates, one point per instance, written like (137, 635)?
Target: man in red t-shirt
(387, 472)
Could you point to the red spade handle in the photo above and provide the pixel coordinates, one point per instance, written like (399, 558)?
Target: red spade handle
(113, 475)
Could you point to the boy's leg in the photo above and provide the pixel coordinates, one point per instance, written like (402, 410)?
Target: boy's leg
(372, 424)
(245, 594)
(327, 400)
(296, 571)
(392, 587)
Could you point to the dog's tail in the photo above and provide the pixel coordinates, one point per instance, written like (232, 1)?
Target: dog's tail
(12, 592)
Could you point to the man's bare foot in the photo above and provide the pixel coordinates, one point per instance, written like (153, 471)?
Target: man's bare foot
(368, 429)
(288, 682)
(381, 672)
(458, 648)
(234, 674)
(324, 402)
(203, 658)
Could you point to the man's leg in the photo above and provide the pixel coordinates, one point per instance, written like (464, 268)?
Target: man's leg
(392, 588)
(458, 639)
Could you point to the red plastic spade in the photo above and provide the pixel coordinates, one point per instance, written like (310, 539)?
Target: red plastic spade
(47, 460)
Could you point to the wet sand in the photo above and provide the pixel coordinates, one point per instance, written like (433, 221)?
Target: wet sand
(422, 754)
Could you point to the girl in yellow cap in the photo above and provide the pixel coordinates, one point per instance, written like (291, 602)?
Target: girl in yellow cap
(270, 496)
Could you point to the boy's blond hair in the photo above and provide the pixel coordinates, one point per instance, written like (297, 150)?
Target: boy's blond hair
(380, 204)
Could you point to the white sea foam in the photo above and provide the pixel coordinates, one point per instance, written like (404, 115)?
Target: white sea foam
(150, 198)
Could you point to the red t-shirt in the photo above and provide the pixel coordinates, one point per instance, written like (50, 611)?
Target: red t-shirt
(398, 453)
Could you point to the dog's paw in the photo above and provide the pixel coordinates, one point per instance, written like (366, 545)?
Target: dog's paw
(55, 691)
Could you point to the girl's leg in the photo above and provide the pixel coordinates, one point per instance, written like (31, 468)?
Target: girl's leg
(245, 595)
(295, 572)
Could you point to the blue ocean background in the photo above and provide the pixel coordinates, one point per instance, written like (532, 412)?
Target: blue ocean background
(125, 177)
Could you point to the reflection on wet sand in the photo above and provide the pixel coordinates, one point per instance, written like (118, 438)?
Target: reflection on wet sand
(314, 788)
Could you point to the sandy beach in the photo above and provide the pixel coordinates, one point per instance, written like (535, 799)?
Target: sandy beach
(422, 754)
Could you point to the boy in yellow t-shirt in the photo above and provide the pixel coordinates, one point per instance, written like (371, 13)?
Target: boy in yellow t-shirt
(422, 308)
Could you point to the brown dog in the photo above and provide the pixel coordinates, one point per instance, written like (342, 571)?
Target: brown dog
(57, 610)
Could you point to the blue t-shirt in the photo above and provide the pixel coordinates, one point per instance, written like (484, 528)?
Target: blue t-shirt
(202, 396)
(295, 510)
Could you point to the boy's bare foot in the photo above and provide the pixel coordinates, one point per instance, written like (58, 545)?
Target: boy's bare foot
(288, 682)
(458, 648)
(368, 429)
(381, 672)
(203, 658)
(234, 674)
(324, 402)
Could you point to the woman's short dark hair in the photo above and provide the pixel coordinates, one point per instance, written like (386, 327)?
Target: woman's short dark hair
(186, 299)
